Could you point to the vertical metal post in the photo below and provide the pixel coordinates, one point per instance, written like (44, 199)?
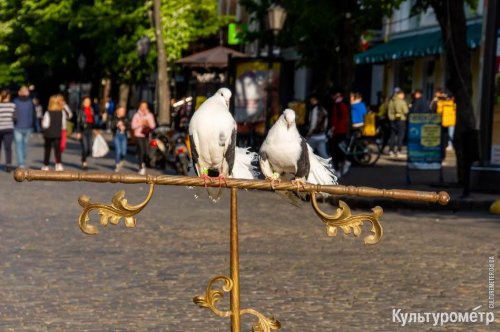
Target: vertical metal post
(491, 23)
(235, 264)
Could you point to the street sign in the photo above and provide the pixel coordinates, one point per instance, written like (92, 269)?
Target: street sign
(424, 141)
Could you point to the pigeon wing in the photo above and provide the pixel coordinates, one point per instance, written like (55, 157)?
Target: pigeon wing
(194, 154)
(265, 165)
(303, 164)
(231, 152)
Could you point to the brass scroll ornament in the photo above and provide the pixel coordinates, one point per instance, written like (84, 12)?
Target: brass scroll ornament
(347, 222)
(214, 295)
(118, 209)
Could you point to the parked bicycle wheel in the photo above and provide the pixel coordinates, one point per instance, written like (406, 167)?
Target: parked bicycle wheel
(366, 153)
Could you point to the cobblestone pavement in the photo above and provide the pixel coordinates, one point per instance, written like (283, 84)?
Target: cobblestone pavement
(55, 278)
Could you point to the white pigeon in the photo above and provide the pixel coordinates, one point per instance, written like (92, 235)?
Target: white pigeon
(286, 155)
(212, 134)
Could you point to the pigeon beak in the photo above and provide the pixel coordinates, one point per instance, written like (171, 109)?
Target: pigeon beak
(288, 125)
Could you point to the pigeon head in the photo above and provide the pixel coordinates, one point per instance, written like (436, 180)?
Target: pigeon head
(289, 118)
(225, 93)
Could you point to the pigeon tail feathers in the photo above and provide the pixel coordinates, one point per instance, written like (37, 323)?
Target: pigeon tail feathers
(244, 164)
(321, 171)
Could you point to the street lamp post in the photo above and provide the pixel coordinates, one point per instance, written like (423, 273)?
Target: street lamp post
(276, 16)
(82, 61)
(143, 46)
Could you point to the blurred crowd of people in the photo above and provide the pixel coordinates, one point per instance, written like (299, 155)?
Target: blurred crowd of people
(24, 115)
(336, 119)
(18, 118)
(332, 121)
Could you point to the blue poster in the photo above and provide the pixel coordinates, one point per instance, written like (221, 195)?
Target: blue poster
(424, 141)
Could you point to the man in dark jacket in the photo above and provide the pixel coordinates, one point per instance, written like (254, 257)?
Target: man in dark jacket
(418, 104)
(24, 115)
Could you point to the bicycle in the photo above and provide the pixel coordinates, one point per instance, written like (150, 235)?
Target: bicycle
(361, 150)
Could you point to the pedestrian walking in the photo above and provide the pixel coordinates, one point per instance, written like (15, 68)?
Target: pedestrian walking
(68, 116)
(339, 128)
(384, 124)
(318, 122)
(397, 112)
(446, 107)
(418, 104)
(38, 114)
(52, 124)
(358, 111)
(119, 125)
(85, 124)
(7, 109)
(143, 123)
(23, 128)
(110, 113)
(98, 115)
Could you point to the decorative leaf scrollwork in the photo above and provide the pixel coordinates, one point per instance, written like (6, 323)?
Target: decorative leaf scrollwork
(213, 295)
(111, 213)
(264, 323)
(343, 219)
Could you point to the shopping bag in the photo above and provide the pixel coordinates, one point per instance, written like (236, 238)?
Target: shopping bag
(370, 128)
(99, 147)
(64, 138)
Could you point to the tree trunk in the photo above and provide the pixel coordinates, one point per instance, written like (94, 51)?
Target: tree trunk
(348, 44)
(451, 17)
(163, 86)
(106, 88)
(123, 98)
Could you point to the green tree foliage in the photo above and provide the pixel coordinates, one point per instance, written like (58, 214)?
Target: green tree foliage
(46, 36)
(326, 33)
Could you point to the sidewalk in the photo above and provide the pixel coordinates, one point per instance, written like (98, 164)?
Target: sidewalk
(390, 173)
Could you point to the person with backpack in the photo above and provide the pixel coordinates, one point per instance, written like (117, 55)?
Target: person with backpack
(318, 121)
(446, 107)
(397, 112)
(52, 125)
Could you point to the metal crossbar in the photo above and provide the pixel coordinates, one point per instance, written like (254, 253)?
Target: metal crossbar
(342, 218)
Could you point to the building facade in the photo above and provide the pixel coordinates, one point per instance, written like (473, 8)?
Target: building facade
(410, 55)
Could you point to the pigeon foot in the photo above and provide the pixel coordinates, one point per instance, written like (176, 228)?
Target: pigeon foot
(273, 181)
(206, 179)
(299, 183)
(221, 178)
